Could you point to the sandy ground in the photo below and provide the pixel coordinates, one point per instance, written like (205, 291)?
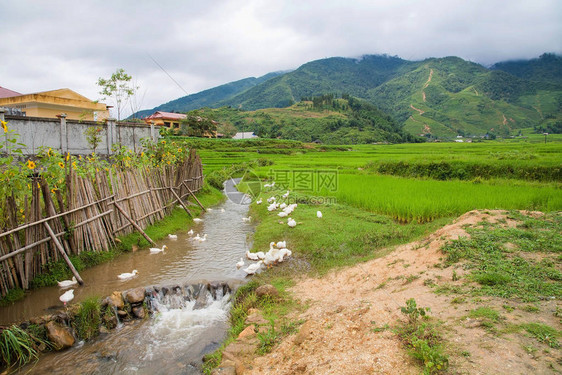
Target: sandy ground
(344, 307)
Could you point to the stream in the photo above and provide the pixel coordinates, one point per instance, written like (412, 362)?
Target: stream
(173, 340)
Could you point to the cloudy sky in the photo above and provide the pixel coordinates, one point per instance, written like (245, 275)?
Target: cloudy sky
(47, 45)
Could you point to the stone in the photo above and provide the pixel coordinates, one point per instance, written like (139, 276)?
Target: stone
(201, 301)
(267, 290)
(115, 300)
(255, 318)
(226, 370)
(59, 335)
(304, 333)
(139, 312)
(122, 313)
(249, 331)
(135, 295)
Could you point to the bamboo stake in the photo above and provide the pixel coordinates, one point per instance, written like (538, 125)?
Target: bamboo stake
(134, 224)
(61, 250)
(193, 195)
(180, 202)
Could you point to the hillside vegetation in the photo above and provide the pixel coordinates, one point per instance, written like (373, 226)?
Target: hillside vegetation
(436, 97)
(325, 119)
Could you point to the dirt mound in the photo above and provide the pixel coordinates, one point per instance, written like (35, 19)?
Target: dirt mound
(346, 305)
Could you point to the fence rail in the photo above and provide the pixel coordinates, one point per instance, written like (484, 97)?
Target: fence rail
(89, 216)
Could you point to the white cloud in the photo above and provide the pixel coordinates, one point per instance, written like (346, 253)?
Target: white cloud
(49, 45)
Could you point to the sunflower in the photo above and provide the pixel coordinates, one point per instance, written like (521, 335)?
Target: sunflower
(30, 164)
(4, 126)
(61, 164)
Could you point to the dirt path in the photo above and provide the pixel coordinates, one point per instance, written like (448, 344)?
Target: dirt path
(421, 112)
(344, 307)
(427, 83)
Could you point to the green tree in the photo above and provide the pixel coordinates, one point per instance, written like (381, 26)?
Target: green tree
(198, 126)
(119, 88)
(93, 136)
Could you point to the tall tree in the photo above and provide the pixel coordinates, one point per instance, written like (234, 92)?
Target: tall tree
(119, 88)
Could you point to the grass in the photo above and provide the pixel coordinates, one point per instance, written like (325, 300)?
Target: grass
(87, 320)
(528, 271)
(344, 236)
(543, 333)
(421, 336)
(19, 347)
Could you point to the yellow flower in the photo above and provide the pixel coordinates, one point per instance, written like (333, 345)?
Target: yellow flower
(53, 190)
(30, 164)
(67, 156)
(179, 149)
(61, 164)
(163, 142)
(38, 186)
(21, 210)
(4, 126)
(142, 154)
(49, 152)
(80, 157)
(74, 164)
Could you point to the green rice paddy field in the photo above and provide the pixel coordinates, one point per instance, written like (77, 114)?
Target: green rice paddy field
(419, 182)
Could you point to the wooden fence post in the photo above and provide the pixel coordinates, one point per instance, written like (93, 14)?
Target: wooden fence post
(63, 253)
(133, 223)
(180, 202)
(193, 195)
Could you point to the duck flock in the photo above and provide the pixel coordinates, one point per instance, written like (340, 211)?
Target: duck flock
(277, 253)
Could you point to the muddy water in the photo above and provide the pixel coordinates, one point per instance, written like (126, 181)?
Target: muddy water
(174, 340)
(185, 260)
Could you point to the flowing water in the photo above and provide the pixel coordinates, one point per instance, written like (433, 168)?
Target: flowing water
(174, 340)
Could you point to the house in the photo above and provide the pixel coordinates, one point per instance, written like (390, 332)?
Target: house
(49, 104)
(170, 120)
(245, 135)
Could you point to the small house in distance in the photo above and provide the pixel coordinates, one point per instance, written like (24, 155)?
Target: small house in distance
(49, 104)
(170, 120)
(245, 135)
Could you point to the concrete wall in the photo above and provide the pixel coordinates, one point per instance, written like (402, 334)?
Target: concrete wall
(68, 135)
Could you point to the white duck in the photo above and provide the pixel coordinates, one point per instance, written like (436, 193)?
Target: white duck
(253, 268)
(125, 276)
(247, 219)
(155, 250)
(68, 283)
(286, 195)
(291, 222)
(260, 255)
(271, 199)
(223, 210)
(204, 238)
(319, 214)
(281, 244)
(282, 214)
(197, 220)
(197, 238)
(67, 296)
(284, 253)
(240, 264)
(251, 256)
(173, 236)
(259, 201)
(190, 232)
(209, 209)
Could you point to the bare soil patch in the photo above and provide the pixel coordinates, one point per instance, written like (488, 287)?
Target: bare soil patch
(345, 307)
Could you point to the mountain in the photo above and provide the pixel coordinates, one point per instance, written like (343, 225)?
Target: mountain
(325, 118)
(435, 97)
(546, 68)
(207, 98)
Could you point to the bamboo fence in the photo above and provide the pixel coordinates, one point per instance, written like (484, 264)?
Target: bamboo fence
(90, 215)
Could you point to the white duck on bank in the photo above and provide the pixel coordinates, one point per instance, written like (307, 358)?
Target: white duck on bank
(247, 219)
(281, 244)
(173, 236)
(251, 256)
(240, 264)
(291, 222)
(68, 283)
(259, 201)
(253, 268)
(190, 232)
(125, 276)
(223, 210)
(155, 250)
(319, 214)
(197, 220)
(67, 296)
(204, 238)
